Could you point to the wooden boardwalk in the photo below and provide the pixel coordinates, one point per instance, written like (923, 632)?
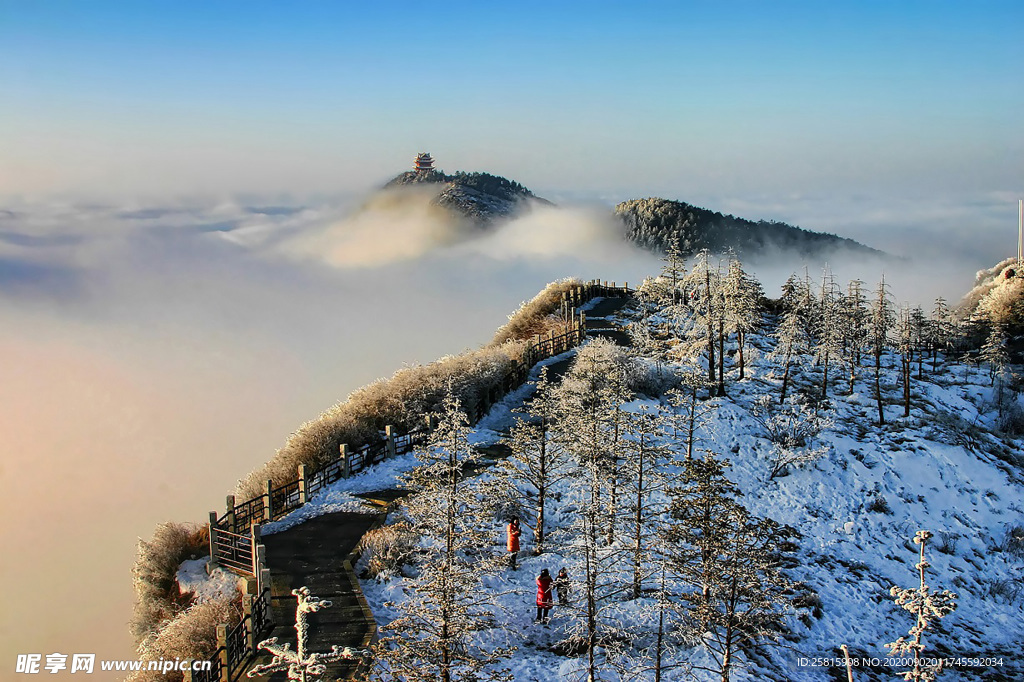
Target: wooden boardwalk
(313, 554)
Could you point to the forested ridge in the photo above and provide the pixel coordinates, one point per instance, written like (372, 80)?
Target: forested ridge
(656, 224)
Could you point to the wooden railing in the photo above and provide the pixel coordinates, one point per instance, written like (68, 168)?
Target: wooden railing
(236, 646)
(235, 536)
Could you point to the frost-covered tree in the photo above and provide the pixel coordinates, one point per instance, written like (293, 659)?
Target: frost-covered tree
(538, 461)
(590, 395)
(919, 331)
(674, 271)
(731, 562)
(905, 342)
(647, 476)
(647, 342)
(994, 353)
(658, 647)
(940, 330)
(702, 291)
(879, 330)
(792, 336)
(690, 415)
(742, 300)
(927, 606)
(854, 322)
(829, 329)
(434, 637)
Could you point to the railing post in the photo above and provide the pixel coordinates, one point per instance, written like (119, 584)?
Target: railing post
(346, 463)
(303, 485)
(268, 498)
(213, 540)
(256, 534)
(222, 645)
(392, 448)
(230, 516)
(265, 587)
(250, 629)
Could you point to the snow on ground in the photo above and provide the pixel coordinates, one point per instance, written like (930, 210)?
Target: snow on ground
(193, 576)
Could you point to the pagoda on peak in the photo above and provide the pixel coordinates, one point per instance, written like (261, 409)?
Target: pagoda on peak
(424, 162)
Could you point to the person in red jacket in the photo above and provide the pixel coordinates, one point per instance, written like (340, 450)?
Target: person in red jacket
(513, 532)
(544, 600)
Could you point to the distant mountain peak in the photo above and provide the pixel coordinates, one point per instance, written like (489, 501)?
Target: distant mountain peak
(481, 197)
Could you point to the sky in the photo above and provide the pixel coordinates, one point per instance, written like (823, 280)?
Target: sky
(614, 99)
(185, 277)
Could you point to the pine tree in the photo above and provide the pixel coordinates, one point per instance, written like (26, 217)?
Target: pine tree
(919, 327)
(993, 352)
(742, 295)
(646, 472)
(701, 286)
(940, 330)
(690, 415)
(829, 329)
(905, 342)
(674, 271)
(731, 562)
(881, 323)
(792, 337)
(854, 316)
(433, 638)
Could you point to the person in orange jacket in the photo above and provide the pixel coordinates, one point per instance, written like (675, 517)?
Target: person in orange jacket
(544, 600)
(513, 531)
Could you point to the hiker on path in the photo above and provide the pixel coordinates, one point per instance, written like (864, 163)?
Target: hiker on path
(562, 587)
(544, 601)
(513, 532)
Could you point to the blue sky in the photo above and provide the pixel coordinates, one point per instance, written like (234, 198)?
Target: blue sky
(610, 99)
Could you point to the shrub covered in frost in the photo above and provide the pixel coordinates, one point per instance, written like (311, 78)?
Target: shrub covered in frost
(535, 316)
(386, 549)
(157, 599)
(192, 634)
